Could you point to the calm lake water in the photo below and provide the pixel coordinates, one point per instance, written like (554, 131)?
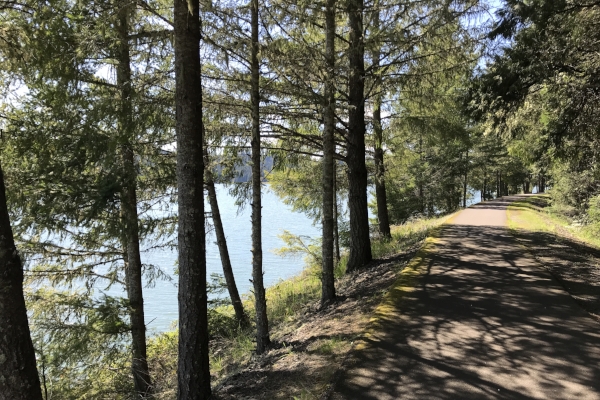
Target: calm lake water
(160, 301)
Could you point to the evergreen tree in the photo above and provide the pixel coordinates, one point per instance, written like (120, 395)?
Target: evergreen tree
(541, 86)
(193, 374)
(380, 189)
(327, 278)
(236, 301)
(129, 203)
(360, 243)
(18, 374)
(85, 145)
(260, 302)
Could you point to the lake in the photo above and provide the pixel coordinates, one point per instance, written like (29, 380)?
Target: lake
(160, 301)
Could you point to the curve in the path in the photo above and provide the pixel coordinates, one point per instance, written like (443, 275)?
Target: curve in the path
(482, 321)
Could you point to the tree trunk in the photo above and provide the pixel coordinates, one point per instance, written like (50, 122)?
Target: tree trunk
(380, 192)
(465, 180)
(336, 228)
(420, 178)
(193, 374)
(238, 307)
(327, 278)
(260, 301)
(483, 193)
(360, 242)
(19, 378)
(498, 191)
(129, 216)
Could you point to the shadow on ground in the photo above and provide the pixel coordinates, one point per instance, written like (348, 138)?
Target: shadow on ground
(483, 321)
(575, 265)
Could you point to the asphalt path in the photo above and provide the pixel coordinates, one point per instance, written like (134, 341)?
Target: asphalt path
(482, 320)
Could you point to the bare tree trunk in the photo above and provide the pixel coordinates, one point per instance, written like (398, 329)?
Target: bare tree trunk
(421, 191)
(327, 277)
(336, 229)
(193, 374)
(262, 323)
(238, 306)
(129, 216)
(465, 181)
(380, 191)
(483, 193)
(360, 241)
(498, 192)
(19, 378)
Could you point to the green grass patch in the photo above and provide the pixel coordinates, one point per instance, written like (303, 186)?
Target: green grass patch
(333, 345)
(536, 214)
(406, 236)
(287, 297)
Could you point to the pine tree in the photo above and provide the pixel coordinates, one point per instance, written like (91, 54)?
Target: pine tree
(19, 378)
(260, 302)
(380, 190)
(327, 277)
(360, 243)
(236, 301)
(193, 374)
(129, 214)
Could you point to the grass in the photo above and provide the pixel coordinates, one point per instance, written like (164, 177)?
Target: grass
(286, 298)
(330, 346)
(405, 236)
(536, 214)
(232, 349)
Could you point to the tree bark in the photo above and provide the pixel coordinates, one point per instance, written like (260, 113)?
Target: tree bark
(336, 228)
(19, 378)
(465, 181)
(129, 216)
(193, 374)
(238, 306)
(483, 192)
(327, 277)
(380, 191)
(498, 192)
(360, 241)
(420, 177)
(262, 323)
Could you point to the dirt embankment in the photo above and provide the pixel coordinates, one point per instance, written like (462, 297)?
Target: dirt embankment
(311, 348)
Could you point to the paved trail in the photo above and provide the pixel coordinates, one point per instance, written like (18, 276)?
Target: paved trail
(484, 321)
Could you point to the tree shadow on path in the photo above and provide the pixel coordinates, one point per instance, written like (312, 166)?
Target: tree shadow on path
(483, 320)
(575, 265)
